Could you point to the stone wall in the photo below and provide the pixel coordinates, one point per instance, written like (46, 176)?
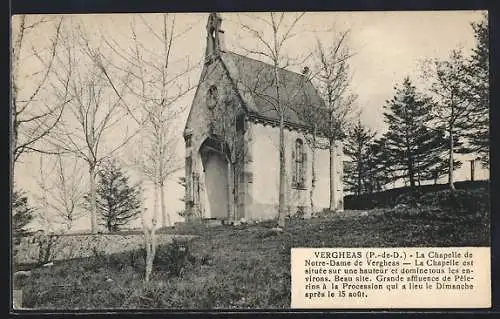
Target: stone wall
(60, 247)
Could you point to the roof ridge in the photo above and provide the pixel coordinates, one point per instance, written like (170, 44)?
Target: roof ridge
(265, 63)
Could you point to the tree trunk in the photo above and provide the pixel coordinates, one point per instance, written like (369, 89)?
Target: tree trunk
(13, 144)
(282, 178)
(93, 198)
(450, 161)
(359, 186)
(235, 197)
(150, 236)
(150, 243)
(165, 216)
(419, 177)
(313, 170)
(16, 55)
(472, 164)
(333, 194)
(411, 171)
(230, 189)
(282, 181)
(13, 140)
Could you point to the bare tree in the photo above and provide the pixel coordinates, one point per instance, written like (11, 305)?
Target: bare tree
(95, 123)
(273, 50)
(332, 78)
(157, 84)
(159, 88)
(62, 189)
(328, 121)
(34, 113)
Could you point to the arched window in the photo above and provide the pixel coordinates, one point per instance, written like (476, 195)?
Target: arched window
(299, 165)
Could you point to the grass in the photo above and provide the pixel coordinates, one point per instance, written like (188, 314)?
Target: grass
(233, 267)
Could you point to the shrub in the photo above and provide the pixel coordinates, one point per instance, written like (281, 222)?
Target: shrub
(137, 259)
(174, 258)
(325, 213)
(460, 202)
(22, 215)
(184, 213)
(444, 204)
(408, 198)
(387, 198)
(46, 250)
(299, 214)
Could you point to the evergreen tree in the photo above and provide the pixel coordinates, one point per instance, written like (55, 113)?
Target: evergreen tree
(413, 150)
(478, 92)
(357, 148)
(377, 172)
(454, 111)
(22, 214)
(118, 203)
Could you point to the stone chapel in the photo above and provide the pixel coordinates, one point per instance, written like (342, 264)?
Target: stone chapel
(232, 140)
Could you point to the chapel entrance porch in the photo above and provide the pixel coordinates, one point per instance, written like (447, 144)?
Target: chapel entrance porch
(217, 174)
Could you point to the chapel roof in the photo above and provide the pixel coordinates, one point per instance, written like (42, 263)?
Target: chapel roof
(254, 80)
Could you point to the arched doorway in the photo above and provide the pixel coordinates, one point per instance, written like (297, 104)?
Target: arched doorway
(215, 169)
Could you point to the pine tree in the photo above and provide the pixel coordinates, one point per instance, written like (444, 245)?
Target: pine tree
(478, 91)
(357, 148)
(22, 214)
(118, 203)
(454, 111)
(413, 149)
(377, 173)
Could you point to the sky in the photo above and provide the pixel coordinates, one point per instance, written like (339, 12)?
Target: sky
(388, 46)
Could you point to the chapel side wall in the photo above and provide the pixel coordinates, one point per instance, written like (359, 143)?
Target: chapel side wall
(264, 189)
(321, 195)
(322, 191)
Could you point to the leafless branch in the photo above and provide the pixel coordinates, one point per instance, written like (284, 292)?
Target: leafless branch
(30, 122)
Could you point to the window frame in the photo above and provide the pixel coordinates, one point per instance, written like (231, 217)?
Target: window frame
(299, 165)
